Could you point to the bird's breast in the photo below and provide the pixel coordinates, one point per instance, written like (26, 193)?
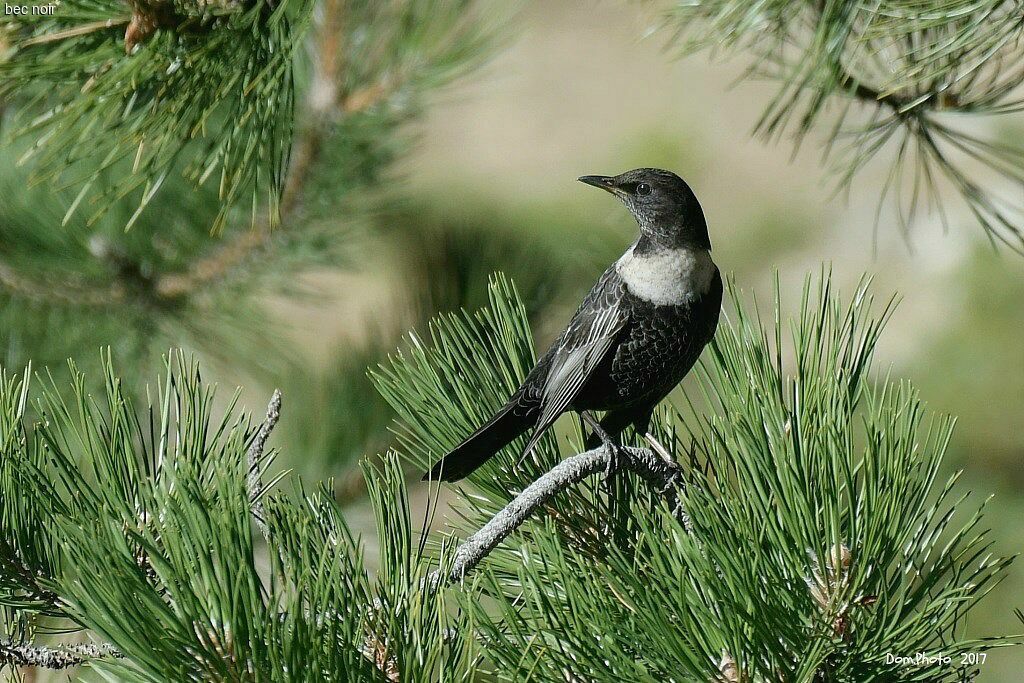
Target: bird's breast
(667, 277)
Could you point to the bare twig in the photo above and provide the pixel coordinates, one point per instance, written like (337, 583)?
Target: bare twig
(22, 654)
(661, 474)
(255, 456)
(63, 292)
(80, 30)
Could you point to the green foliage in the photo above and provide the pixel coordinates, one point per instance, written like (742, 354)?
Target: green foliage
(823, 538)
(209, 93)
(138, 527)
(920, 67)
(72, 283)
(168, 282)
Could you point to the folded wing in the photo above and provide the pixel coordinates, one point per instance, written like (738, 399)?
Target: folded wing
(591, 335)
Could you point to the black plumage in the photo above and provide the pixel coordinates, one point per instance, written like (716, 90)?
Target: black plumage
(634, 337)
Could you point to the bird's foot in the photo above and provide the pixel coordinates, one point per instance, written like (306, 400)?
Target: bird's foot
(614, 449)
(614, 461)
(670, 483)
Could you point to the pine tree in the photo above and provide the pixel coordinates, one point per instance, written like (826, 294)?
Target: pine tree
(785, 520)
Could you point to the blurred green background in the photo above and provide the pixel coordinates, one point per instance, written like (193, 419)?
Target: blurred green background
(491, 185)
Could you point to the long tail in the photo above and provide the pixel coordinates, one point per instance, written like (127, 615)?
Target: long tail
(491, 437)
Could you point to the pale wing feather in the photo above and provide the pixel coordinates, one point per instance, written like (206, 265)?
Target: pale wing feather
(590, 336)
(573, 366)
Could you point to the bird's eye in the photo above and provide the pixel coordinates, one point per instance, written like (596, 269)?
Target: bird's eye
(643, 189)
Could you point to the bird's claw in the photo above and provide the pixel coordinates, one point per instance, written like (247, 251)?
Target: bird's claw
(614, 462)
(670, 483)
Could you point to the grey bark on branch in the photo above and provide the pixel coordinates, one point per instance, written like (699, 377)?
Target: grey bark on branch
(254, 480)
(65, 657)
(658, 471)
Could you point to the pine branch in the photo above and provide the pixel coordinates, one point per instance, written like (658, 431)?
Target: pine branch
(64, 657)
(22, 654)
(28, 581)
(810, 480)
(169, 281)
(196, 88)
(125, 560)
(305, 154)
(245, 246)
(254, 457)
(327, 104)
(816, 537)
(232, 254)
(659, 472)
(67, 292)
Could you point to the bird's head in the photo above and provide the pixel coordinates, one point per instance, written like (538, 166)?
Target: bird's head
(664, 206)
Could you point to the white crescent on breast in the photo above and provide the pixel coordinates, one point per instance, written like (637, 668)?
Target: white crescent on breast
(668, 277)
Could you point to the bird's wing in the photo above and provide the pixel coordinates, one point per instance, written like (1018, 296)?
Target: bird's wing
(591, 334)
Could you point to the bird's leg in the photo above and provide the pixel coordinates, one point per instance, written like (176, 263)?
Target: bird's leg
(614, 450)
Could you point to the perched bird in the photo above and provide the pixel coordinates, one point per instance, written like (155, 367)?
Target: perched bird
(634, 337)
